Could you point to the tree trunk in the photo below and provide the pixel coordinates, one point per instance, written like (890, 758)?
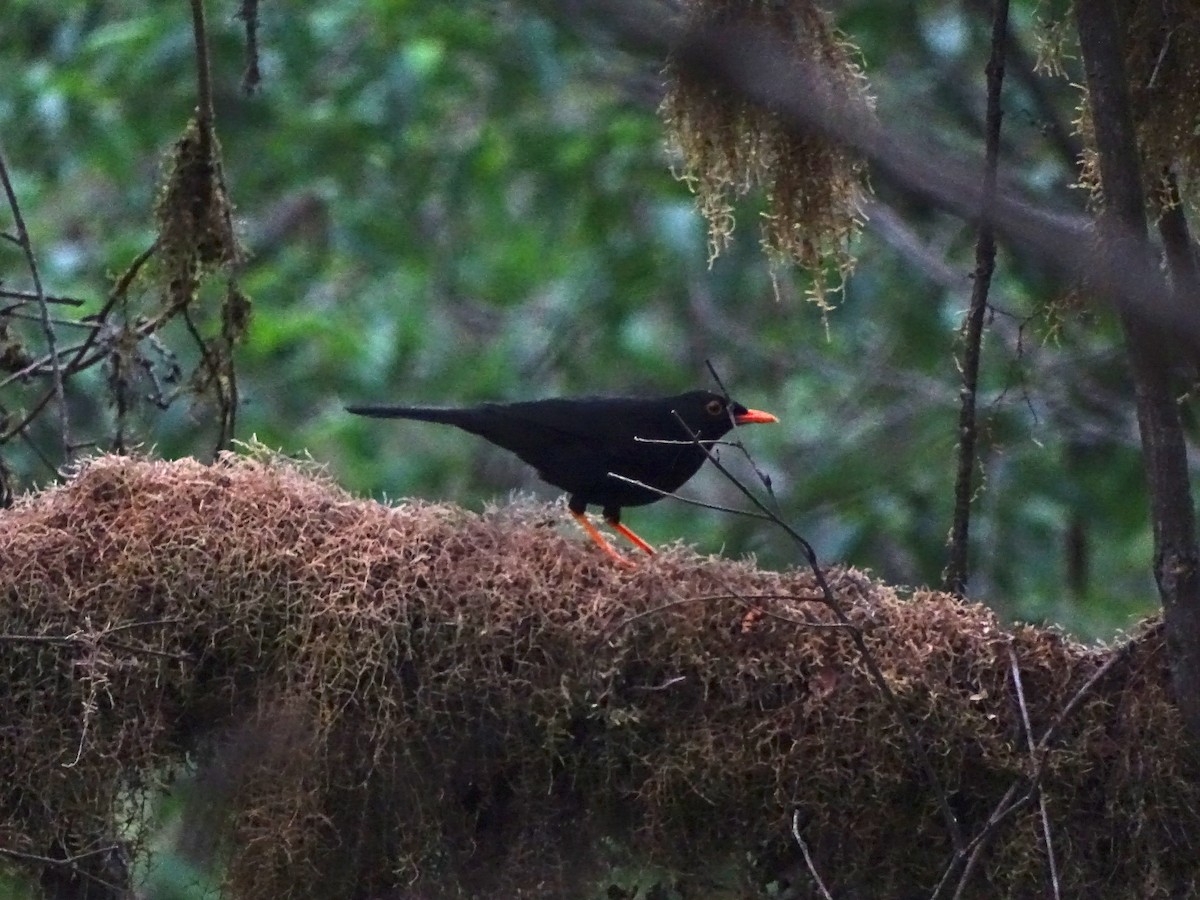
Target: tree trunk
(1163, 445)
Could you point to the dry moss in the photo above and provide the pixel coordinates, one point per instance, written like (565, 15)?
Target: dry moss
(1161, 45)
(194, 216)
(424, 699)
(728, 146)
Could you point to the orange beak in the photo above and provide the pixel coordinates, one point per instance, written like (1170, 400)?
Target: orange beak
(755, 417)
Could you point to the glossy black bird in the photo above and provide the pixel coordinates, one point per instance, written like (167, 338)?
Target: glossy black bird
(579, 444)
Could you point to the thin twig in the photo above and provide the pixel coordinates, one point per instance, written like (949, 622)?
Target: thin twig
(11, 312)
(29, 296)
(44, 308)
(120, 289)
(30, 415)
(676, 442)
(1081, 694)
(1015, 668)
(763, 478)
(808, 860)
(703, 504)
(1013, 800)
(225, 404)
(204, 93)
(969, 854)
(958, 562)
(45, 363)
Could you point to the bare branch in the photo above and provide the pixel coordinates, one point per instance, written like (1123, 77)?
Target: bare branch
(39, 293)
(808, 860)
(958, 563)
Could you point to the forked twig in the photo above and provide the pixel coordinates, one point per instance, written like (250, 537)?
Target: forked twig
(39, 295)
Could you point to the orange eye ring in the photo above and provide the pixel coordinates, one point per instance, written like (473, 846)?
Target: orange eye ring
(714, 407)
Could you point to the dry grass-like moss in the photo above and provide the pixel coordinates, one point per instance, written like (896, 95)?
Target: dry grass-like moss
(424, 699)
(729, 146)
(194, 216)
(1161, 45)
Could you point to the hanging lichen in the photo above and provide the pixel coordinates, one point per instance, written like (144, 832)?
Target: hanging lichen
(1161, 44)
(729, 146)
(194, 217)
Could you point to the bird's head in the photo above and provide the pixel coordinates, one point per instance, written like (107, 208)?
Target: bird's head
(711, 416)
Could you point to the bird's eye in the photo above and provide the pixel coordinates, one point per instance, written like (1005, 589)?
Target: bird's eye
(714, 407)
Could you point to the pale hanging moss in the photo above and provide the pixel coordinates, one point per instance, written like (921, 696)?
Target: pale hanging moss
(1055, 44)
(1161, 44)
(194, 216)
(727, 146)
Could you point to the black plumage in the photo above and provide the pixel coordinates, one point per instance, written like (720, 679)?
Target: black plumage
(579, 444)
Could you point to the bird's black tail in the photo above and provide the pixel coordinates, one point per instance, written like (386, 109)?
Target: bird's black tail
(463, 418)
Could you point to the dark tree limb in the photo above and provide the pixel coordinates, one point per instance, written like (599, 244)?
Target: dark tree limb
(755, 63)
(958, 562)
(1177, 241)
(1057, 129)
(1163, 445)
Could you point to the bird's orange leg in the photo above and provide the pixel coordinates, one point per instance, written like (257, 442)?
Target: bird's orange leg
(596, 536)
(630, 536)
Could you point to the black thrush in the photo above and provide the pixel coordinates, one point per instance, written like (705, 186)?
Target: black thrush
(581, 444)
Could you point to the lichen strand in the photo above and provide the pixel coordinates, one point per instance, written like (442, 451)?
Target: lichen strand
(194, 217)
(813, 188)
(1162, 69)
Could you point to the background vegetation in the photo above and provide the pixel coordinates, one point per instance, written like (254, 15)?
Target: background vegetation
(444, 203)
(448, 203)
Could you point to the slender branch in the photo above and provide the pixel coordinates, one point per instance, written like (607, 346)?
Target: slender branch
(11, 312)
(27, 296)
(204, 93)
(958, 564)
(212, 362)
(46, 363)
(703, 504)
(120, 289)
(79, 359)
(808, 860)
(43, 307)
(30, 415)
(1018, 685)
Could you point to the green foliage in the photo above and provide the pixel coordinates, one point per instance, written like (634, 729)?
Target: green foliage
(451, 202)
